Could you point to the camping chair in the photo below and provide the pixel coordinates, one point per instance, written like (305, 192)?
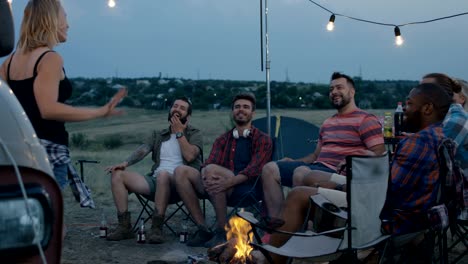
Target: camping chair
(436, 236)
(367, 181)
(460, 237)
(248, 201)
(453, 183)
(147, 208)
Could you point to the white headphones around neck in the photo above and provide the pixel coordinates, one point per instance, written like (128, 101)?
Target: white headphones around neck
(235, 133)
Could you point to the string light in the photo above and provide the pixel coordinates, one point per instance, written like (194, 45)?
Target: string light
(111, 3)
(10, 1)
(398, 38)
(331, 23)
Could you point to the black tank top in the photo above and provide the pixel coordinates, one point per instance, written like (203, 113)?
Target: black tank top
(24, 90)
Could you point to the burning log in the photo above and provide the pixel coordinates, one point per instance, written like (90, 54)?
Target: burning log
(229, 251)
(214, 252)
(223, 253)
(236, 249)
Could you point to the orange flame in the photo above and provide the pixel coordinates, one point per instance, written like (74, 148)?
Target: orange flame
(239, 229)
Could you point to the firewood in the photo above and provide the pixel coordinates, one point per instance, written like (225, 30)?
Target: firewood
(229, 252)
(214, 252)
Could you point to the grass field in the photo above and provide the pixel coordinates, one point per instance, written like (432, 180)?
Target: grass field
(134, 126)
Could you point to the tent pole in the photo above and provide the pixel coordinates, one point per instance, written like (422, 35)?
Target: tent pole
(267, 70)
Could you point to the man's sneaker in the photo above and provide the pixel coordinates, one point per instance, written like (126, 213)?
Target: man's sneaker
(200, 237)
(218, 238)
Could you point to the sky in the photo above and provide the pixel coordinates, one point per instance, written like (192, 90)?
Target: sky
(220, 39)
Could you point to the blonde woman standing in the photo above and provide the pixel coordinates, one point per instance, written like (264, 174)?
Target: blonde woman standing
(36, 74)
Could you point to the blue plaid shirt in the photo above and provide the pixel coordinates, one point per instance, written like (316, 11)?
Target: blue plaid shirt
(456, 128)
(414, 177)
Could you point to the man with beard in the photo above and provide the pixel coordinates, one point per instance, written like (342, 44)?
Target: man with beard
(415, 170)
(414, 174)
(235, 162)
(178, 145)
(351, 131)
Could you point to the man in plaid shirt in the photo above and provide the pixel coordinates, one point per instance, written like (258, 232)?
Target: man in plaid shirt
(415, 170)
(231, 170)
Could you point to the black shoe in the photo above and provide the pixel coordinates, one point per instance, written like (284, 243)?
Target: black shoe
(200, 237)
(218, 238)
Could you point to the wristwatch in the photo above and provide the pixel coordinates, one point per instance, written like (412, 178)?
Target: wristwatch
(179, 134)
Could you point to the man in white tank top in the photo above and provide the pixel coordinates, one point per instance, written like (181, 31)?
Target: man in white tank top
(179, 144)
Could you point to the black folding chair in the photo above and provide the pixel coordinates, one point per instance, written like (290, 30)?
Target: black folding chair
(249, 201)
(451, 177)
(459, 237)
(147, 209)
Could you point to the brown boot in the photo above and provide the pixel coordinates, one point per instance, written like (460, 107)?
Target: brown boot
(155, 235)
(124, 228)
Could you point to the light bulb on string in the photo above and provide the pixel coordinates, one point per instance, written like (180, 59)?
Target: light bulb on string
(398, 38)
(111, 3)
(331, 23)
(10, 1)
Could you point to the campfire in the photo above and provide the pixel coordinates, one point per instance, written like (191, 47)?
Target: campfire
(237, 248)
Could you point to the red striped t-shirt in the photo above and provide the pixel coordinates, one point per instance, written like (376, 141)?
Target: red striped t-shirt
(349, 134)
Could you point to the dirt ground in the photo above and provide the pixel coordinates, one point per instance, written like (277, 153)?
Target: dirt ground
(83, 245)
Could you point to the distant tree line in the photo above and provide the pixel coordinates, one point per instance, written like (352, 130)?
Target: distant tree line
(158, 93)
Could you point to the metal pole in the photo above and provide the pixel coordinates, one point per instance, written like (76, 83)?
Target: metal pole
(82, 167)
(82, 170)
(267, 67)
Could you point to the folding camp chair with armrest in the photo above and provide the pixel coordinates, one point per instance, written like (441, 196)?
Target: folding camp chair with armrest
(460, 238)
(435, 236)
(367, 181)
(453, 184)
(249, 201)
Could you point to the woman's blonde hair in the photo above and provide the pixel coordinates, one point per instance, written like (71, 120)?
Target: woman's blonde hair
(40, 25)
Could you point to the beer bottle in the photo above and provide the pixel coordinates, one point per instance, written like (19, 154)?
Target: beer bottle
(141, 237)
(398, 120)
(103, 226)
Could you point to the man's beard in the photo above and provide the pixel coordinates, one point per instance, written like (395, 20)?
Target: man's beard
(242, 122)
(344, 102)
(413, 122)
(182, 120)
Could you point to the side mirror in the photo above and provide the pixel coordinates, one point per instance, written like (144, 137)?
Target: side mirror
(7, 33)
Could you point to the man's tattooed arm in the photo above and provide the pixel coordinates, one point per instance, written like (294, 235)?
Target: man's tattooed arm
(138, 154)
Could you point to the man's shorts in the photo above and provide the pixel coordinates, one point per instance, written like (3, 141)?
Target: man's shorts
(173, 198)
(286, 169)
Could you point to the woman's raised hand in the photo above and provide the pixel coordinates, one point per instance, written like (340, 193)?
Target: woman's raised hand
(109, 108)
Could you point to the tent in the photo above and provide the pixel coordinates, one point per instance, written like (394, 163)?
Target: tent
(293, 137)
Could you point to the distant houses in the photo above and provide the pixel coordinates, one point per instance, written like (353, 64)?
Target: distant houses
(159, 92)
